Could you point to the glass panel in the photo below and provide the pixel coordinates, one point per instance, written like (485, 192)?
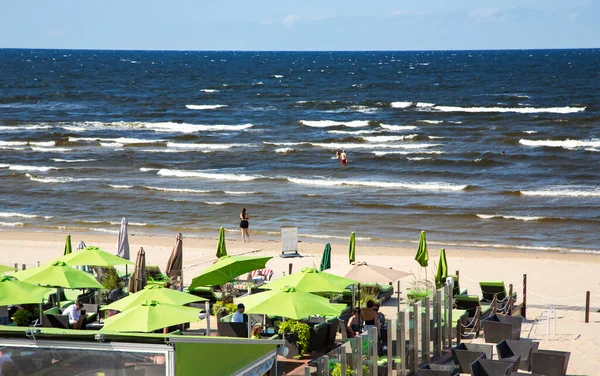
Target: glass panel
(46, 361)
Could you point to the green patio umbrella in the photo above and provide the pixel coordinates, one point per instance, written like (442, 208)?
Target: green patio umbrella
(442, 270)
(422, 256)
(153, 292)
(221, 249)
(227, 268)
(4, 269)
(352, 248)
(68, 247)
(326, 258)
(150, 316)
(59, 274)
(13, 291)
(290, 303)
(312, 280)
(93, 256)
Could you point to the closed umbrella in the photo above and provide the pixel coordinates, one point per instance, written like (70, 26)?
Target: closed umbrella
(139, 278)
(123, 241)
(312, 280)
(153, 292)
(442, 270)
(13, 291)
(68, 246)
(352, 248)
(326, 258)
(150, 316)
(422, 255)
(366, 273)
(175, 263)
(291, 303)
(93, 256)
(227, 268)
(221, 249)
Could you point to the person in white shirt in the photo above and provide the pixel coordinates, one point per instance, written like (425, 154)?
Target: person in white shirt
(74, 313)
(238, 316)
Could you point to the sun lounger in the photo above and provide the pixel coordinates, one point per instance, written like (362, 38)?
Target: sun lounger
(438, 370)
(498, 327)
(489, 289)
(466, 353)
(509, 348)
(457, 290)
(206, 292)
(471, 303)
(550, 363)
(488, 367)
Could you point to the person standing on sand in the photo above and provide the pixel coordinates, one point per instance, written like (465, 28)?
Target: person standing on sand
(244, 225)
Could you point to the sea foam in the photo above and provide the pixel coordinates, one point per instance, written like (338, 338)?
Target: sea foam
(566, 144)
(398, 127)
(204, 106)
(425, 186)
(334, 123)
(205, 175)
(192, 128)
(520, 218)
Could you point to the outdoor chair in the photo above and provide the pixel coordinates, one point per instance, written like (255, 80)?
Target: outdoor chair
(438, 370)
(226, 328)
(55, 321)
(466, 353)
(471, 303)
(509, 348)
(456, 290)
(206, 292)
(333, 324)
(498, 327)
(491, 289)
(318, 337)
(549, 362)
(488, 367)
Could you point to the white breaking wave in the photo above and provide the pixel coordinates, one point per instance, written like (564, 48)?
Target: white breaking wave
(176, 190)
(120, 186)
(530, 132)
(191, 128)
(277, 76)
(389, 138)
(50, 150)
(401, 104)
(563, 192)
(240, 192)
(214, 202)
(430, 121)
(31, 168)
(9, 128)
(202, 146)
(424, 105)
(373, 146)
(204, 106)
(316, 236)
(520, 218)
(22, 215)
(398, 127)
(334, 123)
(206, 175)
(13, 143)
(209, 90)
(60, 179)
(111, 141)
(363, 109)
(72, 160)
(380, 153)
(566, 144)
(104, 230)
(430, 186)
(12, 224)
(43, 143)
(418, 158)
(365, 131)
(284, 150)
(146, 169)
(286, 143)
(522, 110)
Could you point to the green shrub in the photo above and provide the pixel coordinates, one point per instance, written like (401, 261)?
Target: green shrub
(302, 332)
(223, 309)
(21, 317)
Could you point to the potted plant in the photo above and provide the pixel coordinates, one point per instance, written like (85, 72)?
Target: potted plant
(21, 317)
(221, 309)
(296, 335)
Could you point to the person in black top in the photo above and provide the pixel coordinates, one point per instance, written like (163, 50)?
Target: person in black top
(244, 218)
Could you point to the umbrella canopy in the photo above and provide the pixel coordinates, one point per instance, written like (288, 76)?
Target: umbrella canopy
(150, 316)
(93, 256)
(442, 270)
(291, 303)
(59, 274)
(175, 263)
(326, 258)
(13, 291)
(4, 269)
(154, 292)
(139, 278)
(123, 241)
(365, 273)
(68, 246)
(422, 256)
(221, 249)
(352, 248)
(227, 268)
(312, 280)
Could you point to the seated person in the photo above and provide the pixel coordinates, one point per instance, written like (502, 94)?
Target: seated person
(370, 316)
(256, 331)
(353, 327)
(74, 313)
(238, 316)
(258, 278)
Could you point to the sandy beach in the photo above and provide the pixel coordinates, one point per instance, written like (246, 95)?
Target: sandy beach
(554, 279)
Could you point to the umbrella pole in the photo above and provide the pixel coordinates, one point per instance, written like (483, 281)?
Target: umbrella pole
(58, 297)
(359, 310)
(40, 323)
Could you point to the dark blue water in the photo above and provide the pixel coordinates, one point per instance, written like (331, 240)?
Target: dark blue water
(480, 148)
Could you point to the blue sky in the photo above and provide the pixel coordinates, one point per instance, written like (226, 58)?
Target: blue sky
(300, 25)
